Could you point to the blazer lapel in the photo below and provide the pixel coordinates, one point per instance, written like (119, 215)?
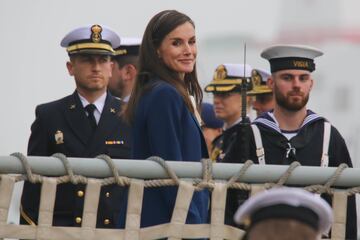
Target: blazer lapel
(76, 118)
(203, 142)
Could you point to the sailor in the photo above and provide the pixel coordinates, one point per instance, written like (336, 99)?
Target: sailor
(292, 132)
(226, 89)
(83, 124)
(125, 68)
(262, 100)
(285, 213)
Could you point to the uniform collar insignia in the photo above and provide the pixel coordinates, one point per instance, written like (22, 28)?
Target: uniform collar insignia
(72, 106)
(112, 110)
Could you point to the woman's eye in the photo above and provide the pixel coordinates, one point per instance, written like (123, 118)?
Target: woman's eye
(176, 43)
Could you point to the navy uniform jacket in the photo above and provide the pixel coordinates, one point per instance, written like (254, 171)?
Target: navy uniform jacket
(164, 127)
(223, 143)
(67, 115)
(308, 144)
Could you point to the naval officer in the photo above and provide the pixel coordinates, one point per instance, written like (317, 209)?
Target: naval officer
(125, 69)
(83, 124)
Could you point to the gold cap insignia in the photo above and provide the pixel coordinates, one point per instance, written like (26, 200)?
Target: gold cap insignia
(96, 33)
(220, 72)
(256, 78)
(59, 137)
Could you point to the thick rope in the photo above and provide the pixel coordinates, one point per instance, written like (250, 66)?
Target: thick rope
(326, 188)
(240, 173)
(71, 177)
(284, 177)
(207, 169)
(336, 175)
(121, 181)
(33, 178)
(171, 173)
(353, 191)
(207, 179)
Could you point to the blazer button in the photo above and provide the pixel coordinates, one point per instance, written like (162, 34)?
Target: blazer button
(107, 194)
(80, 193)
(78, 219)
(106, 221)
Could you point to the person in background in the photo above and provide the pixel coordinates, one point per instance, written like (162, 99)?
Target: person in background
(226, 88)
(124, 73)
(292, 132)
(284, 214)
(262, 98)
(212, 126)
(163, 110)
(83, 124)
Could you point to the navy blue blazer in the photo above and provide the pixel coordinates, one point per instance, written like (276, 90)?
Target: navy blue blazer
(163, 126)
(62, 126)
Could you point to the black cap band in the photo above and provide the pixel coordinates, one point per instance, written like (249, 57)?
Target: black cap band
(127, 51)
(283, 211)
(277, 64)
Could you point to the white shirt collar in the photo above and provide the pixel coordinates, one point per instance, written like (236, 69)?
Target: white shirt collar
(99, 104)
(126, 99)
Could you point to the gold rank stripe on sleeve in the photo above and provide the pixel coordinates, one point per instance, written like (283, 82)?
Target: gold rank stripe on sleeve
(114, 142)
(81, 46)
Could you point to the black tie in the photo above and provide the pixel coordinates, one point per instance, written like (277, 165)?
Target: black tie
(90, 110)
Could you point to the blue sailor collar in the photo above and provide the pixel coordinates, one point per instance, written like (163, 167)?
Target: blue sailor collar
(268, 120)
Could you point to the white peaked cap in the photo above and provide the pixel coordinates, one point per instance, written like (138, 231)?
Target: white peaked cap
(294, 197)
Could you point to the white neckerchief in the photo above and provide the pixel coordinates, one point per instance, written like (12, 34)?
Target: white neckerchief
(126, 99)
(287, 134)
(99, 104)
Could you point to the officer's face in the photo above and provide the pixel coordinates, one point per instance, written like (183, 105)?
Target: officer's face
(291, 88)
(116, 82)
(262, 103)
(91, 72)
(227, 106)
(178, 49)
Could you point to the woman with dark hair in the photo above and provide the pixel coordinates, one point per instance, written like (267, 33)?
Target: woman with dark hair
(163, 110)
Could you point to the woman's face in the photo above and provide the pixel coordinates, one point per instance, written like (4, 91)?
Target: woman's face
(178, 49)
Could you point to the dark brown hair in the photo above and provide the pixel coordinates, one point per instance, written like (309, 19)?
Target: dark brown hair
(281, 229)
(151, 66)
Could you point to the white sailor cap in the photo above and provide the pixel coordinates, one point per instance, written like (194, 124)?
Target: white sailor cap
(92, 39)
(259, 79)
(286, 203)
(228, 78)
(283, 57)
(129, 46)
